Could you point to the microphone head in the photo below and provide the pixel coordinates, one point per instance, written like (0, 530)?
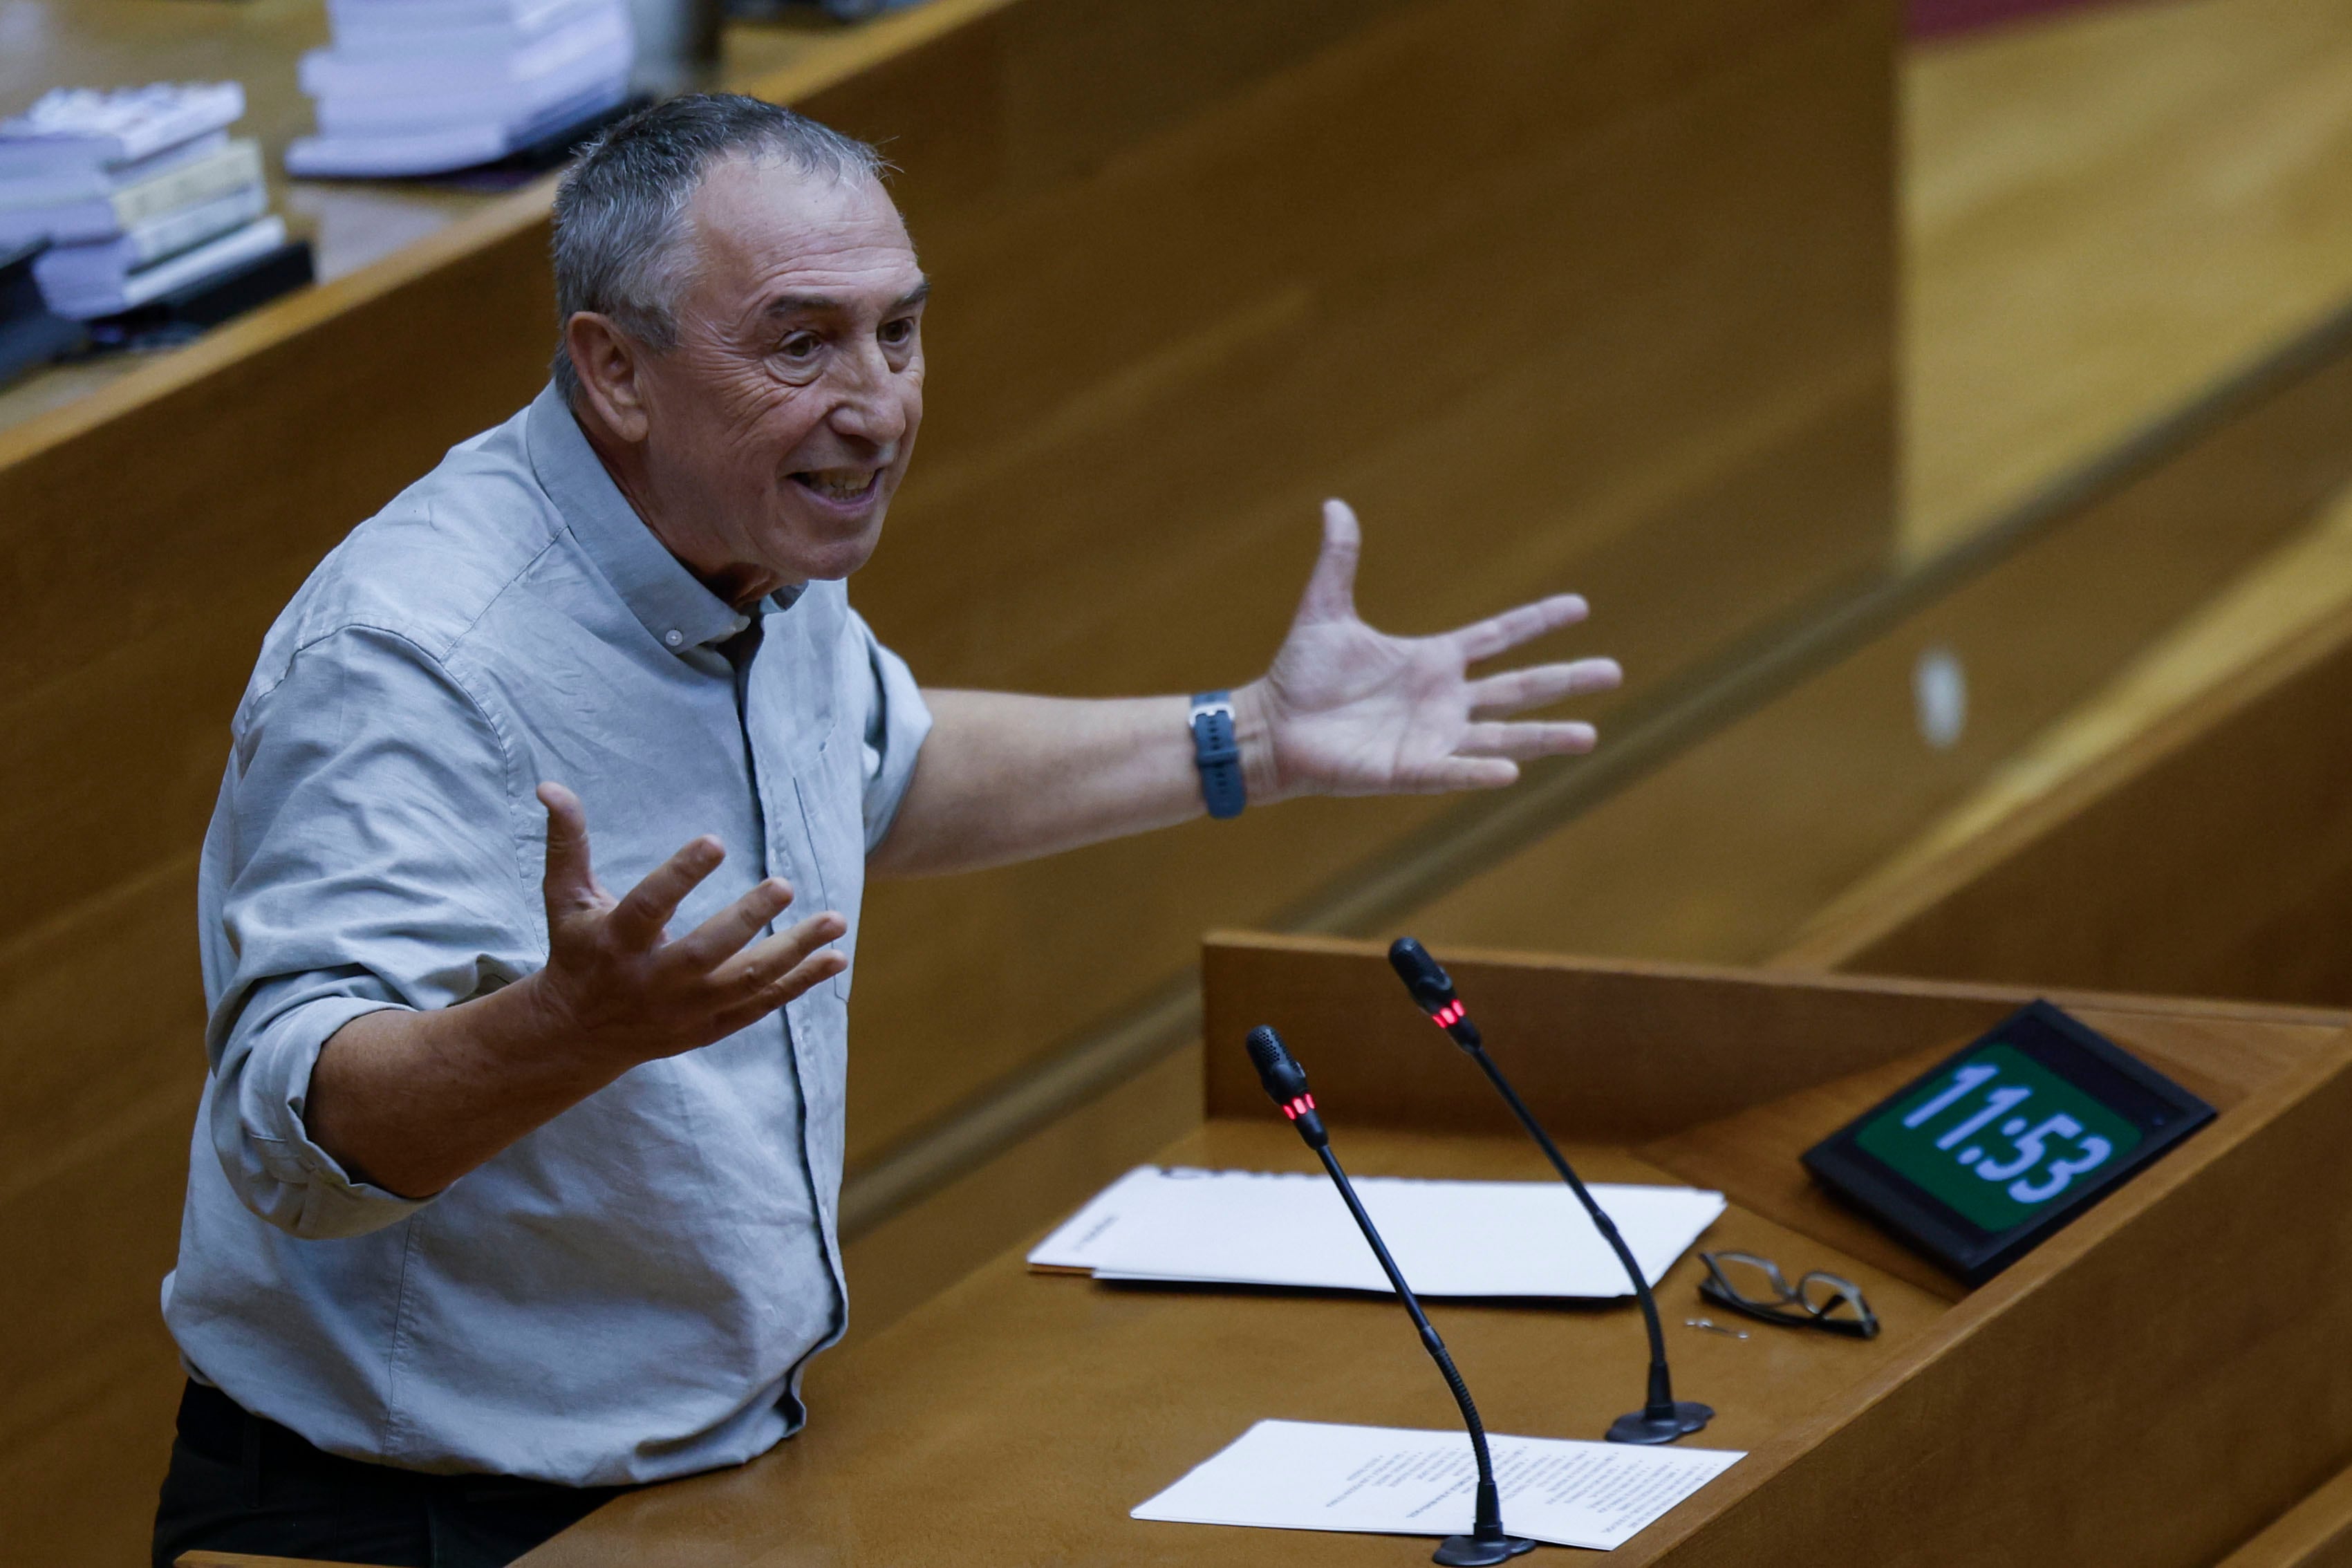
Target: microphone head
(1277, 1070)
(1431, 986)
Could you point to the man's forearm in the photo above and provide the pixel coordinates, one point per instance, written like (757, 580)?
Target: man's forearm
(1004, 777)
(410, 1102)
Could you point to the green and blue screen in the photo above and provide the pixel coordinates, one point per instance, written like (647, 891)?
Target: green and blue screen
(1999, 1137)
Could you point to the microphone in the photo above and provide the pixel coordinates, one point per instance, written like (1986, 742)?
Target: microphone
(1662, 1418)
(1286, 1083)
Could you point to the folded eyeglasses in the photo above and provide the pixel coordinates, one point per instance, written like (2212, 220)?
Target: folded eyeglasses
(1747, 1283)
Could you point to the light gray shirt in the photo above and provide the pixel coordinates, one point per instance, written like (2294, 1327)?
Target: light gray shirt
(629, 1292)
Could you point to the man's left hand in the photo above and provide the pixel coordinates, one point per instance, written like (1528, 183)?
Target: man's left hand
(1346, 710)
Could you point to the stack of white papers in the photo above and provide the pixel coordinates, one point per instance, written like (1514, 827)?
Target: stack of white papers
(82, 206)
(424, 86)
(141, 192)
(1300, 1475)
(78, 128)
(1451, 1238)
(118, 281)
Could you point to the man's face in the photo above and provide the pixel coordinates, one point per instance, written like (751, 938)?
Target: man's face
(780, 426)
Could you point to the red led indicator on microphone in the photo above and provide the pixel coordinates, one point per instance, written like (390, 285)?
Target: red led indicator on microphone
(1298, 1107)
(1452, 1012)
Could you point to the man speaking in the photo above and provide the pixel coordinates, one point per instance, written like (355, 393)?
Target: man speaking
(515, 1177)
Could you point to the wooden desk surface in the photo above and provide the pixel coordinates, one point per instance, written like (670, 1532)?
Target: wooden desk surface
(1016, 1418)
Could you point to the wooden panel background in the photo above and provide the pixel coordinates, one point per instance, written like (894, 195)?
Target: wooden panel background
(2314, 1533)
(2088, 243)
(1562, 295)
(1724, 852)
(2234, 817)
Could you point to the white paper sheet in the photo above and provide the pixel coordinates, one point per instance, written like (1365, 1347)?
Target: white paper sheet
(1302, 1475)
(1451, 1238)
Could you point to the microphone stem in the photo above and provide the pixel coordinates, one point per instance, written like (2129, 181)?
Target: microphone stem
(1488, 1522)
(1661, 1398)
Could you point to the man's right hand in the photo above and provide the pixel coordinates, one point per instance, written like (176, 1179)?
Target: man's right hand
(620, 990)
(412, 1100)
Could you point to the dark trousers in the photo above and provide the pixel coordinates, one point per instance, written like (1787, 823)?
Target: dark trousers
(238, 1483)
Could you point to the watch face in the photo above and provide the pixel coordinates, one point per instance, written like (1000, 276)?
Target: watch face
(1985, 1157)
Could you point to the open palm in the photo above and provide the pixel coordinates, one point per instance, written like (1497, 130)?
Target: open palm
(1352, 710)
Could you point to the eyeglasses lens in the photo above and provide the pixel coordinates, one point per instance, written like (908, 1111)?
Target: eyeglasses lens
(1825, 1295)
(1837, 1304)
(1755, 1281)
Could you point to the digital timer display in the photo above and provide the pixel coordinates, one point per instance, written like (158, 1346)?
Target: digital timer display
(2003, 1142)
(1998, 1137)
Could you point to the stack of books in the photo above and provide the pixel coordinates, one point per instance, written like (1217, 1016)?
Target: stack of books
(429, 87)
(141, 194)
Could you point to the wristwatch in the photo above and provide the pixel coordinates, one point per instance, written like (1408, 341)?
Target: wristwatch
(1217, 755)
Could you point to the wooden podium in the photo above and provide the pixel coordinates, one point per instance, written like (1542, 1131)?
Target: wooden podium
(2149, 1388)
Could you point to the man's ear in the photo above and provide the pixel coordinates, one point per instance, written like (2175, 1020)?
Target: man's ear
(608, 362)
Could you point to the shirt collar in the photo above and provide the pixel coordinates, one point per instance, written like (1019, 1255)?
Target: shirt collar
(679, 611)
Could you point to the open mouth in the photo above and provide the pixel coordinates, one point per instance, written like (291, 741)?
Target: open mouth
(842, 486)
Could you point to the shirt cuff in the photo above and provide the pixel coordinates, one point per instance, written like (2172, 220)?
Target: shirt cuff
(258, 1128)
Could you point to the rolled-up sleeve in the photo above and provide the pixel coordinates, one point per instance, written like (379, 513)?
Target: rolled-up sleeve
(895, 722)
(370, 862)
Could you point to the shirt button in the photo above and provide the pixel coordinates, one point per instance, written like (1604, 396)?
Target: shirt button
(673, 638)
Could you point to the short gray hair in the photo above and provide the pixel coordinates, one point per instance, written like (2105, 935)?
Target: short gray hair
(620, 210)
